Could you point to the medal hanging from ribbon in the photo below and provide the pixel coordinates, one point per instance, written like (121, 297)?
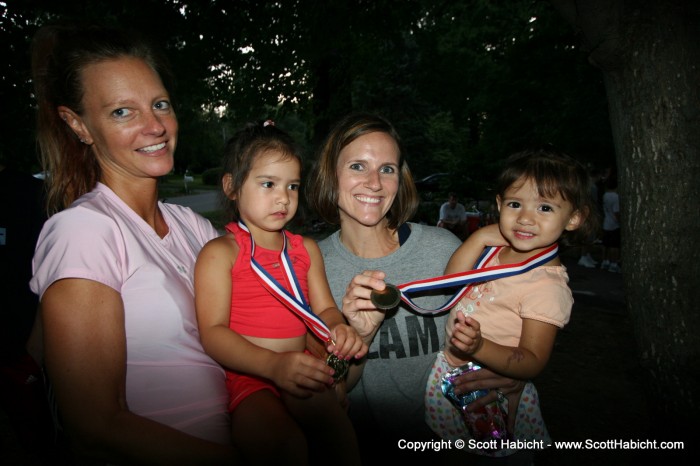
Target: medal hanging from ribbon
(390, 297)
(295, 299)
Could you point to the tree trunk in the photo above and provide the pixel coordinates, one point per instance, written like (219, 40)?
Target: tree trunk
(649, 53)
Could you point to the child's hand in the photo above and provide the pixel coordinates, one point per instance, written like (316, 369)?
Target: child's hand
(348, 343)
(495, 383)
(466, 335)
(490, 235)
(458, 309)
(301, 374)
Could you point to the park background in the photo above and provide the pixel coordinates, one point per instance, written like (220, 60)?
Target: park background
(613, 82)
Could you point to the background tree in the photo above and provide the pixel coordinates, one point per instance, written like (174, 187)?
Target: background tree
(511, 77)
(465, 82)
(17, 148)
(648, 52)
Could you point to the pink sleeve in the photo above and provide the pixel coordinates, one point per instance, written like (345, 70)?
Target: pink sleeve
(67, 248)
(548, 297)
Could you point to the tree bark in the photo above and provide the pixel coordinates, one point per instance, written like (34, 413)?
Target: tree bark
(649, 54)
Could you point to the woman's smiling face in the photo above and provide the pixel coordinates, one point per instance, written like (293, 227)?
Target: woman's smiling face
(128, 118)
(368, 178)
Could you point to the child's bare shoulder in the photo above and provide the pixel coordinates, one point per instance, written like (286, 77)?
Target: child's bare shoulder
(225, 243)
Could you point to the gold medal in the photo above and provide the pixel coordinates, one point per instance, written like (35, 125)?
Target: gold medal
(388, 298)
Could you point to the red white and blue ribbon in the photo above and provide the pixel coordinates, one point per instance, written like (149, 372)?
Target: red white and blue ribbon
(293, 299)
(467, 279)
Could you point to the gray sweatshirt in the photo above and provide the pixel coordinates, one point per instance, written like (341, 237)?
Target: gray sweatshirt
(388, 399)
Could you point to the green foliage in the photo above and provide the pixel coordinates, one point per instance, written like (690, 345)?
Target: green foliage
(512, 77)
(212, 176)
(17, 119)
(465, 83)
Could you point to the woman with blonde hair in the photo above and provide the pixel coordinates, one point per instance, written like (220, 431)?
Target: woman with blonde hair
(113, 265)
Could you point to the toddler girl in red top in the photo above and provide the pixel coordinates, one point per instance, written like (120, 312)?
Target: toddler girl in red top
(257, 288)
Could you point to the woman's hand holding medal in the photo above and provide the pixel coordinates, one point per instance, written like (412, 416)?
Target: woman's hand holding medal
(358, 307)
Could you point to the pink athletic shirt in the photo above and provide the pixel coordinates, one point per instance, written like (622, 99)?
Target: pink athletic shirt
(169, 377)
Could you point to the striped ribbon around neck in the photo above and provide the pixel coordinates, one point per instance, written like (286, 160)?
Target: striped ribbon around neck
(293, 299)
(467, 279)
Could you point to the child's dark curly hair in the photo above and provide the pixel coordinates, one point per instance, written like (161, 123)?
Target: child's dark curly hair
(555, 172)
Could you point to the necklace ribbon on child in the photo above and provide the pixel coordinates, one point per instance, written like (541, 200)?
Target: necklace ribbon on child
(295, 299)
(477, 275)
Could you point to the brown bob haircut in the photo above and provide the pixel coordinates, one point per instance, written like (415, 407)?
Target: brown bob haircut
(322, 186)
